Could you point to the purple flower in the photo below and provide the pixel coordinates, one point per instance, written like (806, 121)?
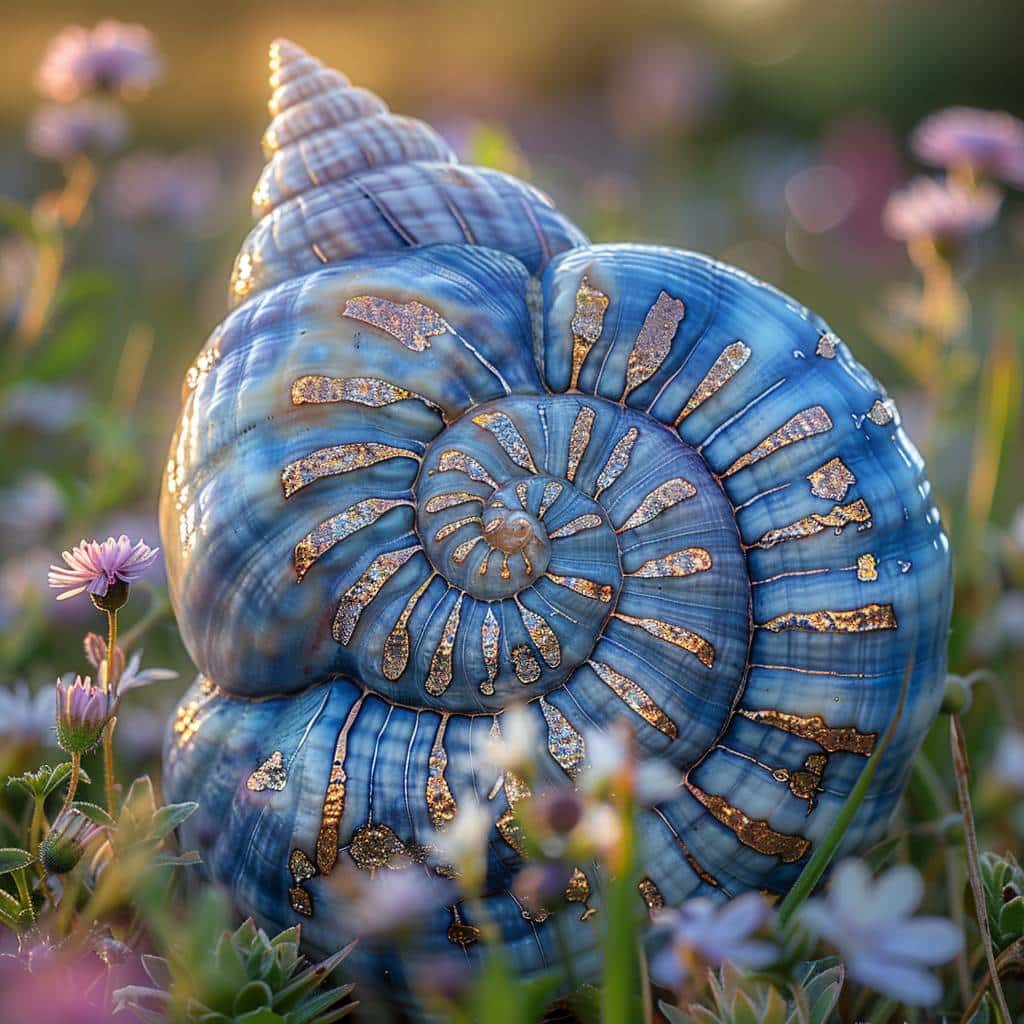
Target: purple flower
(110, 57)
(713, 933)
(63, 846)
(183, 189)
(82, 712)
(59, 132)
(985, 141)
(870, 923)
(944, 212)
(95, 567)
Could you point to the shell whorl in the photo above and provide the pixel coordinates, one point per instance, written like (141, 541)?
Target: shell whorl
(416, 488)
(347, 177)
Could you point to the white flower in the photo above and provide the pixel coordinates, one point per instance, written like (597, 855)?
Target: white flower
(870, 923)
(463, 844)
(714, 933)
(517, 745)
(1008, 760)
(26, 717)
(135, 676)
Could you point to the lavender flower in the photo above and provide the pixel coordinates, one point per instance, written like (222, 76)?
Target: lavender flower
(95, 567)
(986, 142)
(62, 133)
(870, 923)
(945, 212)
(710, 933)
(395, 903)
(82, 712)
(126, 677)
(183, 189)
(110, 57)
(63, 846)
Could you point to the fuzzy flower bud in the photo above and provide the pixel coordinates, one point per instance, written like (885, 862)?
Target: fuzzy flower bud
(63, 846)
(82, 712)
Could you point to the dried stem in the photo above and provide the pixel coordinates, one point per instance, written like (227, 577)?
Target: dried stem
(962, 772)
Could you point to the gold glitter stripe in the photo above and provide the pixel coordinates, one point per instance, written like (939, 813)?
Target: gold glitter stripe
(654, 342)
(453, 460)
(450, 499)
(271, 774)
(507, 435)
(439, 678)
(373, 392)
(585, 522)
(334, 798)
(731, 360)
(365, 589)
(752, 832)
(336, 529)
(838, 518)
(867, 568)
(679, 563)
(636, 698)
(814, 728)
(650, 894)
(579, 439)
(542, 635)
(453, 527)
(586, 325)
(339, 458)
(577, 890)
(803, 425)
(440, 802)
(490, 635)
(832, 480)
(588, 588)
(462, 552)
(395, 656)
(526, 666)
(411, 323)
(552, 491)
(857, 620)
(882, 413)
(826, 347)
(677, 635)
(565, 743)
(663, 497)
(618, 461)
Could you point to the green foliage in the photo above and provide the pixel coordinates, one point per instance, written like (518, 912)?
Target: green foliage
(40, 783)
(247, 978)
(738, 998)
(1002, 880)
(142, 826)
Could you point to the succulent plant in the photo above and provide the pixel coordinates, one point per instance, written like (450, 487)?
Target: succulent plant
(738, 998)
(1002, 878)
(250, 979)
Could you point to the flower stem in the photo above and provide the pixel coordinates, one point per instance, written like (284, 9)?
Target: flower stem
(76, 771)
(110, 688)
(963, 792)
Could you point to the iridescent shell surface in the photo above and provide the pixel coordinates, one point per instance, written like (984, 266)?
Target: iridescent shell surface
(445, 456)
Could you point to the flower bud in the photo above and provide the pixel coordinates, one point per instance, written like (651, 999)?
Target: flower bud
(115, 598)
(82, 712)
(63, 846)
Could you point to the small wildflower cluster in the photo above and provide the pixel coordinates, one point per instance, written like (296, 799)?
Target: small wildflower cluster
(978, 149)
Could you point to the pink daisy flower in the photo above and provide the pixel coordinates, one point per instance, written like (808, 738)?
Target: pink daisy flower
(94, 567)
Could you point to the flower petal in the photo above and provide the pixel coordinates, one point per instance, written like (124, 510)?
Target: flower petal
(900, 981)
(927, 940)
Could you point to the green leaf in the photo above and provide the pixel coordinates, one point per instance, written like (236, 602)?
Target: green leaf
(672, 1013)
(984, 1014)
(93, 812)
(14, 859)
(168, 818)
(261, 1016)
(1011, 920)
(255, 995)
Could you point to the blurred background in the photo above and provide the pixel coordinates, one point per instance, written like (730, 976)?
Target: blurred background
(769, 133)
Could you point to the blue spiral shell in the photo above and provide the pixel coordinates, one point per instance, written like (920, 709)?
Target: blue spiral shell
(426, 481)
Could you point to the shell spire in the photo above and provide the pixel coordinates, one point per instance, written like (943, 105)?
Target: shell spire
(347, 177)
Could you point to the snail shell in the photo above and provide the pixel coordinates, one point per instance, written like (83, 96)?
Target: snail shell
(415, 482)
